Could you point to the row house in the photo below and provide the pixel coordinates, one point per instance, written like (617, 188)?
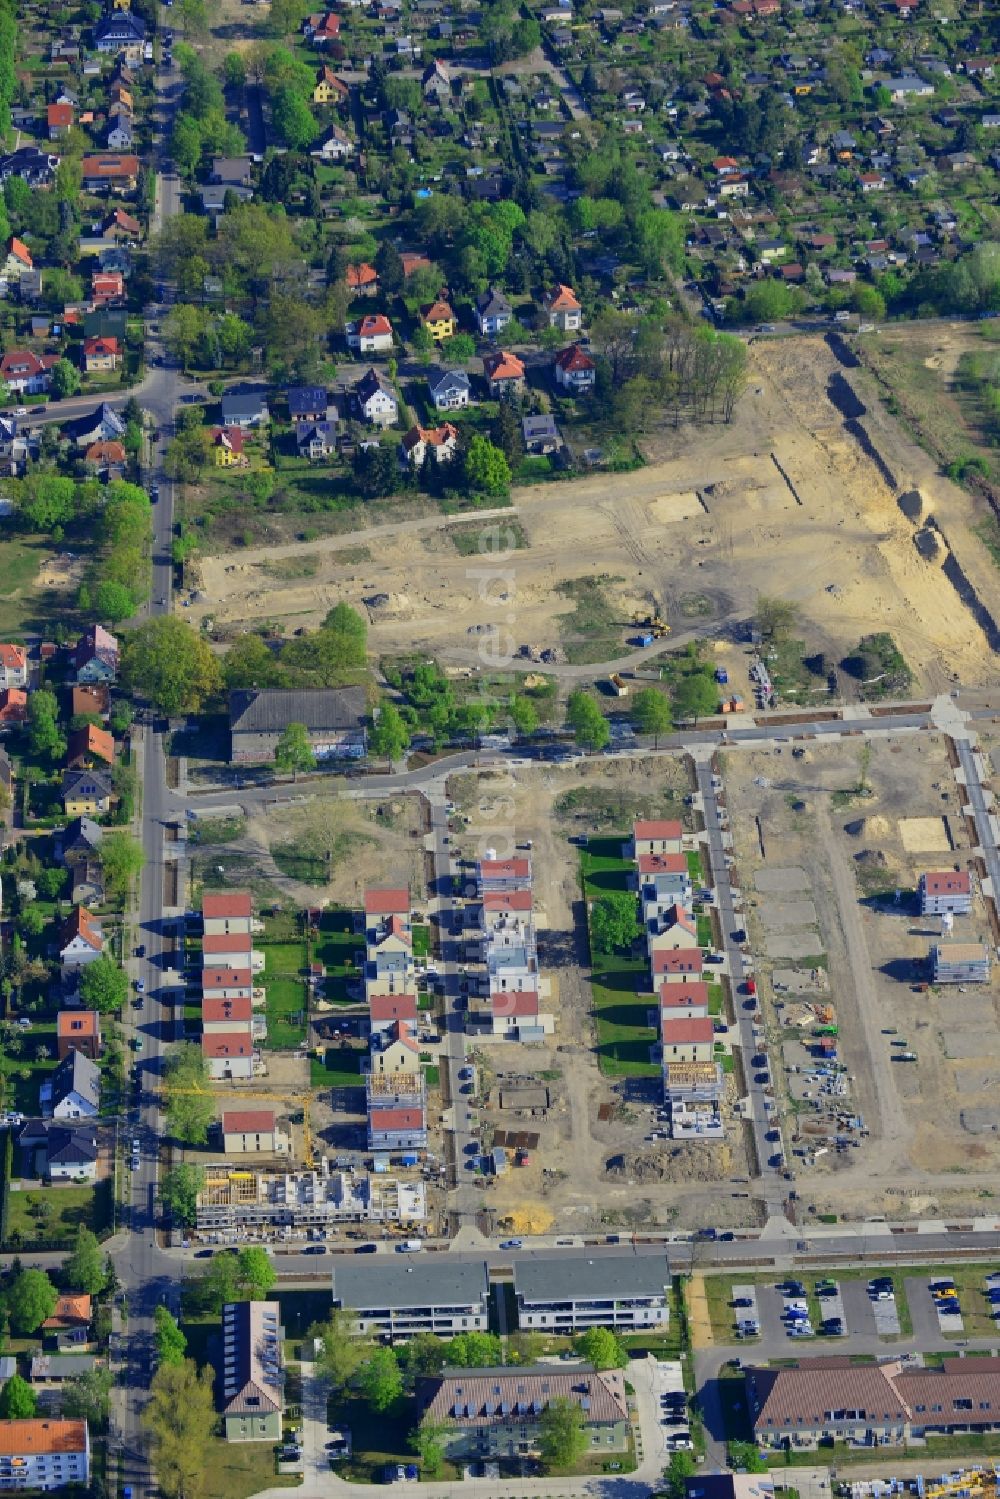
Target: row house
(237, 1198)
(514, 1005)
(692, 1076)
(230, 1032)
(396, 1091)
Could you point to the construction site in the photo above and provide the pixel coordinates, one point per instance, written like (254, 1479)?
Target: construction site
(888, 1085)
(797, 488)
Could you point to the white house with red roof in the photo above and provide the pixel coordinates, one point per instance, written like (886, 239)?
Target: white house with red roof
(563, 310)
(252, 1132)
(673, 928)
(575, 370)
(655, 836)
(26, 373)
(371, 334)
(13, 666)
(229, 1055)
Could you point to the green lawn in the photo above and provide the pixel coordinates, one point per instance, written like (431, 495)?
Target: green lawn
(64, 1211)
(23, 606)
(694, 866)
(715, 1000)
(235, 1470)
(29, 1066)
(338, 1068)
(421, 941)
(287, 996)
(624, 1037)
(704, 925)
(603, 866)
(335, 948)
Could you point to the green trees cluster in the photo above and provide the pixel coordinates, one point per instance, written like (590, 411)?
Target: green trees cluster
(179, 1188)
(180, 1418)
(587, 721)
(213, 340)
(170, 664)
(190, 1107)
(331, 656)
(648, 366)
(45, 736)
(103, 985)
(202, 125)
(614, 926)
(8, 78)
(118, 580)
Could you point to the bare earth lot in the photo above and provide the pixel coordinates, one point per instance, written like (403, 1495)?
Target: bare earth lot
(933, 1123)
(783, 500)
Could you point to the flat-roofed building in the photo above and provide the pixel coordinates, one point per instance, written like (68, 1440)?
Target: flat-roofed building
(960, 963)
(625, 1292)
(401, 1297)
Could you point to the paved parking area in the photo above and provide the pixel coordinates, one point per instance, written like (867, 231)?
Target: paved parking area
(832, 1306)
(886, 1316)
(746, 1312)
(858, 1308)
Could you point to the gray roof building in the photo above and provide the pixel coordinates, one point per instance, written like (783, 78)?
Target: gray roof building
(406, 1296)
(334, 719)
(621, 1291)
(252, 1378)
(74, 1090)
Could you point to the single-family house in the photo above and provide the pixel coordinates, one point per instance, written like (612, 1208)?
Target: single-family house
(375, 399)
(58, 121)
(81, 939)
(13, 666)
(78, 1030)
(102, 425)
(86, 793)
(909, 86)
(439, 320)
(677, 965)
(362, 279)
(73, 1091)
(329, 89)
(119, 33)
(245, 409)
(90, 746)
(336, 145)
(100, 355)
(307, 403)
(540, 434)
(323, 29)
(252, 1132)
(436, 81)
(575, 370)
(96, 656)
(655, 836)
(36, 168)
(371, 334)
(450, 390)
(504, 374)
(120, 133)
(110, 170)
(26, 373)
(13, 706)
(316, 440)
(440, 442)
(120, 225)
(229, 447)
(685, 1039)
(493, 312)
(562, 309)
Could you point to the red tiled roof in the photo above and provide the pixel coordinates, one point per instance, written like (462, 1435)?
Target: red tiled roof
(413, 261)
(396, 1119)
(91, 741)
(437, 312)
(948, 882)
(233, 438)
(71, 1310)
(515, 1002)
(59, 114)
(37, 1436)
(662, 864)
(247, 1121)
(18, 248)
(234, 903)
(105, 452)
(73, 1023)
(678, 960)
(81, 923)
(215, 1008)
(686, 1029)
(226, 978)
(215, 942)
(373, 324)
(13, 657)
(227, 1044)
(393, 1007)
(394, 900)
(13, 705)
(507, 900)
(562, 299)
(574, 358)
(110, 166)
(99, 345)
(361, 275)
(89, 699)
(664, 828)
(503, 366)
(504, 869)
(684, 996)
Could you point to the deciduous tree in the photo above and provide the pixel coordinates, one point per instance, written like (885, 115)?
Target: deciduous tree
(122, 861)
(167, 661)
(600, 1347)
(86, 1269)
(342, 1350)
(180, 1418)
(18, 1401)
(614, 921)
(171, 1343)
(103, 985)
(651, 713)
(30, 1299)
(293, 752)
(190, 1106)
(587, 721)
(562, 1438)
(389, 735)
(379, 1380)
(179, 1188)
(256, 1271)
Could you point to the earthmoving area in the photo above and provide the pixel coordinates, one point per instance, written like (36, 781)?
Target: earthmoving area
(796, 489)
(848, 826)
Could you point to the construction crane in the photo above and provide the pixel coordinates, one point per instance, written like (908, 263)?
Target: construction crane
(293, 1102)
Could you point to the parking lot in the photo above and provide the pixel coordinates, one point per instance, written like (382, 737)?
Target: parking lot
(674, 1421)
(819, 1307)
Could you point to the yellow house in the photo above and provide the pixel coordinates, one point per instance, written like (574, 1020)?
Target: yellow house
(803, 88)
(228, 447)
(439, 320)
(121, 4)
(329, 89)
(86, 793)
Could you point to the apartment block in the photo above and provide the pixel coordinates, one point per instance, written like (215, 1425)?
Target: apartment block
(557, 1295)
(44, 1454)
(398, 1298)
(945, 892)
(292, 1204)
(252, 1376)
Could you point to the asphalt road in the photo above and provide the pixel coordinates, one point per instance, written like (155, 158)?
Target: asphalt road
(146, 1276)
